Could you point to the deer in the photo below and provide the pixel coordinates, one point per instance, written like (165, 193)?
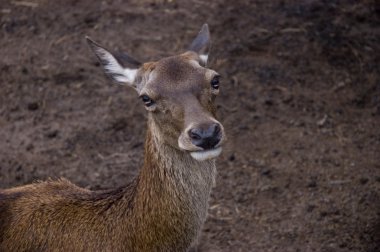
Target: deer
(165, 206)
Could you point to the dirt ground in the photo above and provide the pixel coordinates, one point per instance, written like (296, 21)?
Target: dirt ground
(300, 101)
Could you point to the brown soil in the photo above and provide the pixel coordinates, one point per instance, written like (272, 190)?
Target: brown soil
(300, 102)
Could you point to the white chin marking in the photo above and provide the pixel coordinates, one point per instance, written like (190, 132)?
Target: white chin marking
(206, 154)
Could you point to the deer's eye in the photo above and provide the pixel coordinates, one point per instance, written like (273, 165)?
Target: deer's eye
(147, 100)
(215, 82)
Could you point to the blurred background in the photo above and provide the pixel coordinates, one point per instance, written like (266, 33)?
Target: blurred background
(300, 101)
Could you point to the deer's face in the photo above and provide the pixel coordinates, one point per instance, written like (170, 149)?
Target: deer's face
(179, 94)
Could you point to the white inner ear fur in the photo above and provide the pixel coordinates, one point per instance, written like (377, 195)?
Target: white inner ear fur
(204, 58)
(117, 71)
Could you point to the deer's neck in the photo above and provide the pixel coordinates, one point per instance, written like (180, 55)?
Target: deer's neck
(172, 190)
(174, 175)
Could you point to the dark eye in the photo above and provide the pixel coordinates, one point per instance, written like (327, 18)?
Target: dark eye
(215, 82)
(147, 101)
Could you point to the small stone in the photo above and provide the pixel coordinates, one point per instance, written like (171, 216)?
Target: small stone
(33, 106)
(310, 208)
(312, 184)
(29, 147)
(52, 134)
(363, 181)
(24, 70)
(268, 102)
(275, 153)
(266, 172)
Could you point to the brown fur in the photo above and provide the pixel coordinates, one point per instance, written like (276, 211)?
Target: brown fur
(163, 209)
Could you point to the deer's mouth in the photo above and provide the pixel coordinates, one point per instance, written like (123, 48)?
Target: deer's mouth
(206, 154)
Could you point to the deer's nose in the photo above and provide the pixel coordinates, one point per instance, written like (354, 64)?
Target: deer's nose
(206, 136)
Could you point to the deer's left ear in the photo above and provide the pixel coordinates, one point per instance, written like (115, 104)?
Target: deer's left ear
(201, 44)
(121, 68)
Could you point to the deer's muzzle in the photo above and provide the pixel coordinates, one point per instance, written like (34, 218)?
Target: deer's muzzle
(203, 141)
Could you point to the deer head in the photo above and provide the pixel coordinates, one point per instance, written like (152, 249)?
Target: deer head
(178, 92)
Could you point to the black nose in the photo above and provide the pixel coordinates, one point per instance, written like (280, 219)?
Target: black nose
(206, 135)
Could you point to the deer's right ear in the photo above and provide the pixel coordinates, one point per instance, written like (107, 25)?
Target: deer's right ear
(121, 68)
(201, 44)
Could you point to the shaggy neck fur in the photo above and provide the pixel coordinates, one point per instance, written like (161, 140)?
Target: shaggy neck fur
(171, 196)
